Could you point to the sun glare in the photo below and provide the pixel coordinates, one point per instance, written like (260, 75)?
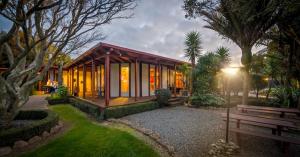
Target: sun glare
(230, 70)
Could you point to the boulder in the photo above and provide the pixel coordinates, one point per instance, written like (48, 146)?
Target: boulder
(20, 144)
(34, 139)
(45, 134)
(5, 151)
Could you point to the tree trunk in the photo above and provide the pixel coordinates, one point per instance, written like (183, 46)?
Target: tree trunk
(60, 74)
(269, 89)
(246, 61)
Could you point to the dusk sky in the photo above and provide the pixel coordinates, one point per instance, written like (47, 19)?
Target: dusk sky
(159, 27)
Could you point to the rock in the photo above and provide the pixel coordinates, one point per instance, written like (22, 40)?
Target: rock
(4, 151)
(171, 148)
(45, 134)
(20, 144)
(34, 139)
(55, 129)
(58, 127)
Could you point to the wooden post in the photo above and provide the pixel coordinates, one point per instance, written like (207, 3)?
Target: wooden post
(77, 80)
(84, 79)
(107, 71)
(93, 77)
(161, 76)
(72, 80)
(135, 80)
(175, 80)
(129, 83)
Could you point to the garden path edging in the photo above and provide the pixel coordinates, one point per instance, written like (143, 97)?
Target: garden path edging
(149, 133)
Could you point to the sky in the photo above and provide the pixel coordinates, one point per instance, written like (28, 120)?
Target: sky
(159, 27)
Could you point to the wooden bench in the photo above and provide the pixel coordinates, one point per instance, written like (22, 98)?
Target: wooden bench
(276, 110)
(286, 141)
(272, 127)
(264, 135)
(295, 121)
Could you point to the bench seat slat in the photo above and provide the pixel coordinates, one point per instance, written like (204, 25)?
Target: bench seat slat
(273, 137)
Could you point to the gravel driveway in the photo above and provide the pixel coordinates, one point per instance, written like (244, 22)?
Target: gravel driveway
(191, 132)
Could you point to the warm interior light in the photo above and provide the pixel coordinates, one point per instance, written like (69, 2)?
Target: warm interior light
(230, 70)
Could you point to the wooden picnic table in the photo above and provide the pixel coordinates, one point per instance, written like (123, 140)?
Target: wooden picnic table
(264, 121)
(282, 111)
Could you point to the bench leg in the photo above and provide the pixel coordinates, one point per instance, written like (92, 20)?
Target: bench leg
(286, 147)
(273, 131)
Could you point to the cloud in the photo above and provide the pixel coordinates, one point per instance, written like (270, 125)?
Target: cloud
(159, 27)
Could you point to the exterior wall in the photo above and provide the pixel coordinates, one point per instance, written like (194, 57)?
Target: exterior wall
(80, 82)
(164, 77)
(171, 78)
(114, 80)
(65, 78)
(152, 91)
(145, 79)
(133, 80)
(126, 94)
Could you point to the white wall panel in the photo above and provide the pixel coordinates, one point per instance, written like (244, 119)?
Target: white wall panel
(114, 80)
(133, 80)
(145, 80)
(164, 77)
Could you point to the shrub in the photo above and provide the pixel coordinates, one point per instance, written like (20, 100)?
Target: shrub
(87, 107)
(44, 120)
(162, 96)
(62, 91)
(206, 100)
(121, 111)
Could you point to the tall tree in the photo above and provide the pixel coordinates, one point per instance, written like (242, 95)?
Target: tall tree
(242, 21)
(193, 46)
(66, 25)
(192, 52)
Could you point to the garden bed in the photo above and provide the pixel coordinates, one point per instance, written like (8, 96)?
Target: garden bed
(27, 125)
(87, 107)
(121, 111)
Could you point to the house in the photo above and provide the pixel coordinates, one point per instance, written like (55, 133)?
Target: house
(108, 71)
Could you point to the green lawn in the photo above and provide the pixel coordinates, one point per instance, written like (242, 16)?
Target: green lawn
(87, 139)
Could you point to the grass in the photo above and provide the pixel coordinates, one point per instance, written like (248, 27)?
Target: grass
(86, 138)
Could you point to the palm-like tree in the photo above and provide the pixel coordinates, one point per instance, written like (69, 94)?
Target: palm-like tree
(223, 55)
(192, 52)
(242, 21)
(193, 47)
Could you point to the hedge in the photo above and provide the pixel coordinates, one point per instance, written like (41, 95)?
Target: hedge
(121, 111)
(44, 121)
(87, 107)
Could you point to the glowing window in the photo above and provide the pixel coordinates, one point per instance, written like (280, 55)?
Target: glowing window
(124, 79)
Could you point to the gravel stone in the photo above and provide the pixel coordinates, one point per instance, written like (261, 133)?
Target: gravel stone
(192, 131)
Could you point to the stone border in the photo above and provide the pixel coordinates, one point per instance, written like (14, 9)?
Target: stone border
(147, 132)
(22, 145)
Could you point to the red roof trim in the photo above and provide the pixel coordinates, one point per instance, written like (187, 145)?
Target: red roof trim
(106, 45)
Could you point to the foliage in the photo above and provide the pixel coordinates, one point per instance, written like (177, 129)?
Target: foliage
(206, 100)
(193, 46)
(121, 111)
(242, 21)
(206, 71)
(162, 96)
(87, 107)
(62, 91)
(186, 71)
(280, 93)
(87, 138)
(42, 120)
(41, 31)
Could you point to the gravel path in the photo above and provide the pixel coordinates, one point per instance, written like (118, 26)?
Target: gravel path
(191, 132)
(36, 102)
